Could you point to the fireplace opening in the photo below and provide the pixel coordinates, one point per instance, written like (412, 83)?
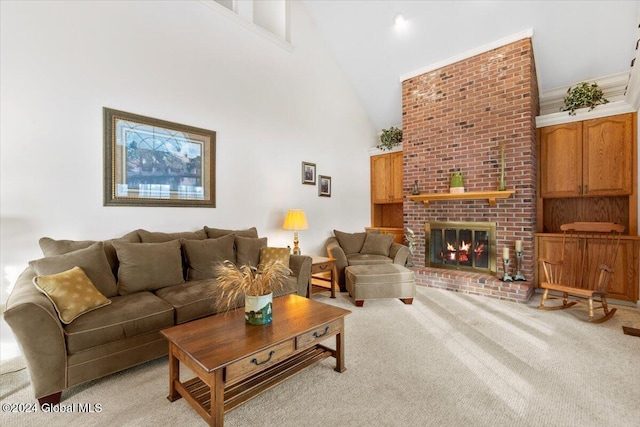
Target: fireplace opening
(461, 246)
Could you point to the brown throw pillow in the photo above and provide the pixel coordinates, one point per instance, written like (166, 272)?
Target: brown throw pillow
(91, 259)
(148, 266)
(71, 293)
(271, 255)
(51, 247)
(351, 243)
(203, 255)
(214, 233)
(159, 237)
(377, 244)
(248, 250)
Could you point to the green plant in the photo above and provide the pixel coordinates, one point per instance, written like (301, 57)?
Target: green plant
(390, 138)
(583, 95)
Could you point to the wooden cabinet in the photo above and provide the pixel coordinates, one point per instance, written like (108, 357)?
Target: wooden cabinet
(387, 195)
(386, 178)
(590, 158)
(624, 282)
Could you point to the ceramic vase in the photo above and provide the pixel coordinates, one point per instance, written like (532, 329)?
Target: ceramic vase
(257, 309)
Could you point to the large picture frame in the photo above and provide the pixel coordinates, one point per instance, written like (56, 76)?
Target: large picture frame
(152, 162)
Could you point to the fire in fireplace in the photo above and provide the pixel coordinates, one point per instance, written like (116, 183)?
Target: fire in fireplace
(462, 245)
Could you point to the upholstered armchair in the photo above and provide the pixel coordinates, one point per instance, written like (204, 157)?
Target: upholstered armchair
(363, 249)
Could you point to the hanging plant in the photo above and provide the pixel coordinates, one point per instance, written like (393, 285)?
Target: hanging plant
(581, 96)
(390, 138)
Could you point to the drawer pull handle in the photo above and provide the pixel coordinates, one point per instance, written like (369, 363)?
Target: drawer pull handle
(317, 335)
(255, 361)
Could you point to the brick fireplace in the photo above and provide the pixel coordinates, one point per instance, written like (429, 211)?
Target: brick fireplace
(456, 119)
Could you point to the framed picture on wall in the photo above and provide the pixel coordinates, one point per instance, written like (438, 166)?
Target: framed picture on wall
(152, 162)
(324, 186)
(308, 173)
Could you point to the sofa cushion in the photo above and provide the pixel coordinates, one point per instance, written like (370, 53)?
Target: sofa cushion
(91, 259)
(270, 255)
(367, 259)
(248, 250)
(127, 316)
(51, 247)
(71, 293)
(148, 266)
(203, 255)
(350, 243)
(214, 233)
(191, 300)
(377, 244)
(159, 237)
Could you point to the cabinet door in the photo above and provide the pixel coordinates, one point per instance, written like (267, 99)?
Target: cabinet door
(380, 172)
(607, 156)
(396, 177)
(561, 160)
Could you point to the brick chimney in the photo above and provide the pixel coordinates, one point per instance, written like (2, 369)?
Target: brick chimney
(455, 119)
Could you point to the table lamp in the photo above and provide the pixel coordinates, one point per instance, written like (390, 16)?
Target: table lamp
(295, 220)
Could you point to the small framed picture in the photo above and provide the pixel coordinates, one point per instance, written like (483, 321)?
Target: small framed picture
(324, 186)
(308, 173)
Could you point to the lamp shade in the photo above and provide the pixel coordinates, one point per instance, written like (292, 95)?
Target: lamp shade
(295, 220)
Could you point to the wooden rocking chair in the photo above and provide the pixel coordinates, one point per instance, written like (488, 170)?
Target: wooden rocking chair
(589, 251)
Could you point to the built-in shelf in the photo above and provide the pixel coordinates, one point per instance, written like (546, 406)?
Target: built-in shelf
(490, 196)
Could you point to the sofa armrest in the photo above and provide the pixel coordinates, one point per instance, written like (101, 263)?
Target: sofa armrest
(399, 253)
(35, 324)
(300, 266)
(335, 251)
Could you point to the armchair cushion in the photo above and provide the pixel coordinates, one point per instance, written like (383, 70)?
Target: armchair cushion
(148, 266)
(203, 255)
(93, 262)
(350, 243)
(368, 259)
(71, 293)
(377, 244)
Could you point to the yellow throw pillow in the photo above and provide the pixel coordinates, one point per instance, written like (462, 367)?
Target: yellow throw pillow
(271, 255)
(71, 292)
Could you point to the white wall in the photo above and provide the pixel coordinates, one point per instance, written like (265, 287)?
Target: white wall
(182, 61)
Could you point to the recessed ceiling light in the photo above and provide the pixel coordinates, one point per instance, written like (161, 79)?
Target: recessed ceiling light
(400, 22)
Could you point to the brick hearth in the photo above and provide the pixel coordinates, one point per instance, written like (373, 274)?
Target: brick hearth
(455, 119)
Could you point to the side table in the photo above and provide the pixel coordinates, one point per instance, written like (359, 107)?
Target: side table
(323, 265)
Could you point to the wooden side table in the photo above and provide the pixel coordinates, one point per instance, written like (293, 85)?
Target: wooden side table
(323, 265)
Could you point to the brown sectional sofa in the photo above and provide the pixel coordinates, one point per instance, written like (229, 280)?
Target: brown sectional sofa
(153, 280)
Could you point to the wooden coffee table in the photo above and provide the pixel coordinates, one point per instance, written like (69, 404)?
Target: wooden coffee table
(234, 362)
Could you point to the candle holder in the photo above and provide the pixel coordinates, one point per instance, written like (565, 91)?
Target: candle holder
(519, 275)
(505, 265)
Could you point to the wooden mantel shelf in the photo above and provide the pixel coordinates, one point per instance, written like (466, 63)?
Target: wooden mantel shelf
(490, 196)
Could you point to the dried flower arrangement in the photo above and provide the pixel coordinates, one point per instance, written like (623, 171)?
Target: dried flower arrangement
(235, 282)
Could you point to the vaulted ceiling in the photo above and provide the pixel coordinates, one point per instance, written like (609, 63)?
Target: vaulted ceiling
(573, 41)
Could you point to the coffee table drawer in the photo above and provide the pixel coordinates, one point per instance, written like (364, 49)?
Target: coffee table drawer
(319, 334)
(258, 361)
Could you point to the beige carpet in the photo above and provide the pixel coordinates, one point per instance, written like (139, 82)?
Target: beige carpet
(447, 360)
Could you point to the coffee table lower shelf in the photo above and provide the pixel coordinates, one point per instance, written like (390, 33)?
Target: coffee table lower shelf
(196, 392)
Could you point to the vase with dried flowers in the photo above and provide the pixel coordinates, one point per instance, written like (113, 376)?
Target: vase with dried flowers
(257, 286)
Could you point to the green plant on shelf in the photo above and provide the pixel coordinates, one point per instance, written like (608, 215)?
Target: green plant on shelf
(583, 95)
(390, 138)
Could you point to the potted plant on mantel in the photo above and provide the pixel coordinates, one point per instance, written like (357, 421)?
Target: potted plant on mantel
(257, 286)
(583, 95)
(389, 138)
